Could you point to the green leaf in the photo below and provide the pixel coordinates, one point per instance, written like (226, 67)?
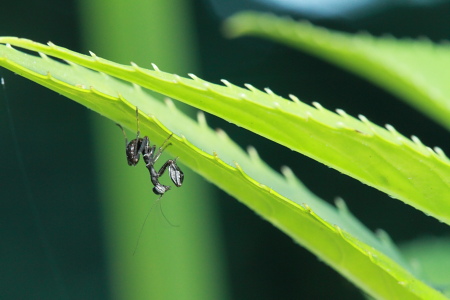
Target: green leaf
(415, 70)
(333, 235)
(430, 257)
(382, 158)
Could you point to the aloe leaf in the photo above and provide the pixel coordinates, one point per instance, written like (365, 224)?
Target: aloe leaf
(405, 169)
(415, 70)
(333, 235)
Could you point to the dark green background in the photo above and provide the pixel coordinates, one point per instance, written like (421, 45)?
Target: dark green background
(56, 148)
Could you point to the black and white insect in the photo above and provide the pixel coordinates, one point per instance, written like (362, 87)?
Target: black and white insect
(138, 146)
(141, 146)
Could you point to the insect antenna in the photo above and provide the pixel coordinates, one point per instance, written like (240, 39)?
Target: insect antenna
(124, 134)
(145, 221)
(164, 215)
(143, 225)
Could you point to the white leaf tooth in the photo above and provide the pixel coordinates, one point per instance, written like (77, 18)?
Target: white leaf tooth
(9, 46)
(170, 104)
(250, 87)
(394, 132)
(269, 92)
(226, 83)
(50, 44)
(221, 133)
(2, 81)
(238, 166)
(43, 55)
(92, 54)
(384, 238)
(155, 68)
(430, 150)
(391, 129)
(72, 64)
(201, 119)
(341, 205)
(440, 152)
(194, 77)
(306, 207)
(317, 105)
(342, 113)
(294, 98)
(417, 141)
(363, 119)
(367, 122)
(134, 65)
(287, 172)
(253, 153)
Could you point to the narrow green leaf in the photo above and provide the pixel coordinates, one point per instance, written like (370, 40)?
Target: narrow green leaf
(382, 158)
(329, 233)
(430, 257)
(415, 70)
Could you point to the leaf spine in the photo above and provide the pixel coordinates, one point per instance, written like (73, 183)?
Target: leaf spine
(155, 68)
(317, 105)
(342, 113)
(226, 83)
(269, 92)
(294, 99)
(194, 77)
(250, 87)
(201, 119)
(92, 54)
(253, 153)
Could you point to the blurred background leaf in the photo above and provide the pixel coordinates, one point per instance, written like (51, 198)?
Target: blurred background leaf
(171, 262)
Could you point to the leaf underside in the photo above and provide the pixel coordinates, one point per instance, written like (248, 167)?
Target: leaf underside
(382, 158)
(332, 234)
